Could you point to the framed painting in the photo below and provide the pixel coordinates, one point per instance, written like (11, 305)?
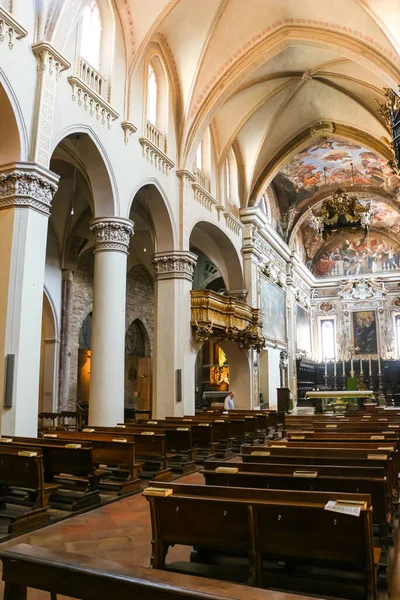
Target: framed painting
(364, 332)
(273, 307)
(303, 333)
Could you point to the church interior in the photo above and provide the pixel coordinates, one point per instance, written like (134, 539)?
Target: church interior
(199, 299)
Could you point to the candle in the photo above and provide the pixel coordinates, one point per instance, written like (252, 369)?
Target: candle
(351, 367)
(326, 366)
(379, 365)
(369, 365)
(343, 367)
(334, 367)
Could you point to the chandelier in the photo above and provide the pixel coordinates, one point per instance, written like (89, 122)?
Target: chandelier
(341, 210)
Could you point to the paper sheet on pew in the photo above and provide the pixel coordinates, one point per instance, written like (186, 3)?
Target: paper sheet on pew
(352, 510)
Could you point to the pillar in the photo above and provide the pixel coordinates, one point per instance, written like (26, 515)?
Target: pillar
(26, 192)
(107, 370)
(174, 349)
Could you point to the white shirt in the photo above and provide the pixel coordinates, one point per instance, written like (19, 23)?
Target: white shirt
(228, 403)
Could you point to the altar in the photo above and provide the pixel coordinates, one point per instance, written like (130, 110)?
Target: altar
(339, 401)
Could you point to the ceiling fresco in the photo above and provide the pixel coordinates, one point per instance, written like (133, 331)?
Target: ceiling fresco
(329, 161)
(352, 253)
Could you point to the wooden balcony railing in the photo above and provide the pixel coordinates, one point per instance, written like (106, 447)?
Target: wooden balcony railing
(215, 315)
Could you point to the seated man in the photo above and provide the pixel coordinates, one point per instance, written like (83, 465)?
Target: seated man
(228, 402)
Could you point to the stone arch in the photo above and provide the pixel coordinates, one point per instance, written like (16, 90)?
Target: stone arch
(160, 210)
(217, 246)
(14, 137)
(98, 167)
(48, 384)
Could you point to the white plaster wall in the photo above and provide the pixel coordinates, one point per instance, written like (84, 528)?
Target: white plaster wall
(269, 375)
(53, 277)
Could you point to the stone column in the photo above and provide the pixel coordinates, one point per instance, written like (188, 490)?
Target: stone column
(173, 341)
(291, 333)
(26, 192)
(107, 370)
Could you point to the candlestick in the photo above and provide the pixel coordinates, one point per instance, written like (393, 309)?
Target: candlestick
(334, 367)
(370, 365)
(351, 367)
(326, 366)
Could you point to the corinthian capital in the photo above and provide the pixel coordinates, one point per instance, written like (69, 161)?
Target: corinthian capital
(176, 264)
(27, 185)
(111, 233)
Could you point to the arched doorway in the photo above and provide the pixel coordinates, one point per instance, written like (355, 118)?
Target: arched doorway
(212, 374)
(48, 359)
(84, 357)
(137, 368)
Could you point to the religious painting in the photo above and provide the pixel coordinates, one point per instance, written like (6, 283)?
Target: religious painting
(331, 161)
(274, 311)
(355, 253)
(303, 333)
(364, 332)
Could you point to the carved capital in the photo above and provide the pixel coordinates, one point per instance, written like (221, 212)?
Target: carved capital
(111, 234)
(177, 264)
(27, 185)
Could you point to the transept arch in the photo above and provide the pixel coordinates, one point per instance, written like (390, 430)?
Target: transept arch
(14, 138)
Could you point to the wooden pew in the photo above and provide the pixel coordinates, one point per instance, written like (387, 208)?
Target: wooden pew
(150, 450)
(91, 578)
(71, 467)
(376, 487)
(178, 441)
(115, 452)
(272, 528)
(21, 472)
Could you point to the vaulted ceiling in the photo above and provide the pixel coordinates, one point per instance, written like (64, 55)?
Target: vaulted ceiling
(263, 73)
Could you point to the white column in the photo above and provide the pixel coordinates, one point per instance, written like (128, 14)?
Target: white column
(107, 369)
(174, 347)
(26, 192)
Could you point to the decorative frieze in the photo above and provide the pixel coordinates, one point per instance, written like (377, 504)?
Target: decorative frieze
(10, 29)
(91, 101)
(155, 156)
(27, 185)
(112, 234)
(177, 264)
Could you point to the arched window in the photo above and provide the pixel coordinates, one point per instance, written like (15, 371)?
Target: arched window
(227, 180)
(328, 339)
(91, 34)
(151, 96)
(199, 157)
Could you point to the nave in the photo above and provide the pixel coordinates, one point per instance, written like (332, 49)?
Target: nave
(297, 478)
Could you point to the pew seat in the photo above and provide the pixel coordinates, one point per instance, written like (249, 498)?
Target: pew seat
(289, 539)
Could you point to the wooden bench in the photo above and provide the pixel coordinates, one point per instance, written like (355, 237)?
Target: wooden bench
(178, 441)
(71, 467)
(20, 472)
(313, 479)
(115, 453)
(91, 578)
(285, 535)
